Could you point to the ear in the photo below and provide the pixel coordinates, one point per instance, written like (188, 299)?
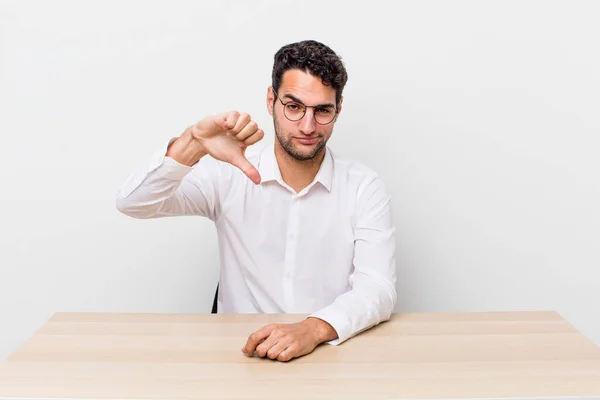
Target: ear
(270, 100)
(339, 107)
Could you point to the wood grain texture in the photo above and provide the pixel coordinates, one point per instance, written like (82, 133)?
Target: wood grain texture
(415, 355)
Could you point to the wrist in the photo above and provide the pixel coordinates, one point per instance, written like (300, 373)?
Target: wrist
(323, 331)
(186, 149)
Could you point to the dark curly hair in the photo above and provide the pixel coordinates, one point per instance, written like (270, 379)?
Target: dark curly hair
(315, 58)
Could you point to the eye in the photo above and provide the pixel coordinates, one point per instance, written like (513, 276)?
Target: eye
(294, 107)
(324, 110)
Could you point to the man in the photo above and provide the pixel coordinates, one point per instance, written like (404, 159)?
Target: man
(300, 229)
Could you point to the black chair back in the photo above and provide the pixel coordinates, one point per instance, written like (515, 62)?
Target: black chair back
(214, 307)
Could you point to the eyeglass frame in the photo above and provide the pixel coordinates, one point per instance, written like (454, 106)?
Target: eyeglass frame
(305, 107)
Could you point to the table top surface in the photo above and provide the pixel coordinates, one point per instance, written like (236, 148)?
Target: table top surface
(198, 356)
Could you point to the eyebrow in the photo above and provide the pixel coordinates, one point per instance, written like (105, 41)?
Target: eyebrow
(297, 100)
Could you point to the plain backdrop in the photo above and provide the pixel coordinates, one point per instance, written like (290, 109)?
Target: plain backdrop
(481, 116)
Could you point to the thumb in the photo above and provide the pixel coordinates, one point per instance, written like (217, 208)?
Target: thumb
(247, 168)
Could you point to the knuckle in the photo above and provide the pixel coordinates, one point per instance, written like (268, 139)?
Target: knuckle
(278, 331)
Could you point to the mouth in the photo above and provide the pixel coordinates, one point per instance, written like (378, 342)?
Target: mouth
(307, 140)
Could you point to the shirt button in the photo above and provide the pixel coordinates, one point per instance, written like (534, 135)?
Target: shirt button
(292, 236)
(288, 275)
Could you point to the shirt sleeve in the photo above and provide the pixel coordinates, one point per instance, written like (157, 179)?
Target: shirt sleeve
(163, 187)
(372, 296)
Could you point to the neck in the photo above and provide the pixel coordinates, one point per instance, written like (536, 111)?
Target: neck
(295, 173)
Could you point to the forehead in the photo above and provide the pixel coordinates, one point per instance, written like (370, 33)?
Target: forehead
(306, 87)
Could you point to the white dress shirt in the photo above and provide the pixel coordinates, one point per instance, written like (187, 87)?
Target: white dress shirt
(327, 251)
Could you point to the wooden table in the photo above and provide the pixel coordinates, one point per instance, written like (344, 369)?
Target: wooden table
(420, 355)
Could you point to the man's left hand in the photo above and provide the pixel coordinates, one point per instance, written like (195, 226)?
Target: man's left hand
(286, 341)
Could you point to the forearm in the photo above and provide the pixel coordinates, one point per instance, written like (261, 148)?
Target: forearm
(369, 303)
(158, 188)
(144, 193)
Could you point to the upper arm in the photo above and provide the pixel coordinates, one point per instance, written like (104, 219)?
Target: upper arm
(374, 241)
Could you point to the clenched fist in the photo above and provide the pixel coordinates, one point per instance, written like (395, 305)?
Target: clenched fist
(286, 341)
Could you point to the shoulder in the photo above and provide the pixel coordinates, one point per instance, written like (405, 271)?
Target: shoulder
(351, 170)
(359, 180)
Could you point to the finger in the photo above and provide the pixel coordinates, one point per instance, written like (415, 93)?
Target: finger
(250, 346)
(248, 130)
(249, 352)
(231, 120)
(247, 168)
(275, 350)
(257, 136)
(256, 338)
(266, 346)
(240, 124)
(287, 354)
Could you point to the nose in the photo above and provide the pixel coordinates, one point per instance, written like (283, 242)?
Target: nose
(308, 125)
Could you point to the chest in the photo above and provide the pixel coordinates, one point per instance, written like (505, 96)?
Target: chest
(314, 227)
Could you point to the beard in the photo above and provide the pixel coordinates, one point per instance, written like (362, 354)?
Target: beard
(296, 152)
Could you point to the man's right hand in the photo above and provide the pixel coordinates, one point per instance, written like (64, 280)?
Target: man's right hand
(224, 137)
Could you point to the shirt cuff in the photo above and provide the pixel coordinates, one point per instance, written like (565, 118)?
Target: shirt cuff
(171, 169)
(332, 315)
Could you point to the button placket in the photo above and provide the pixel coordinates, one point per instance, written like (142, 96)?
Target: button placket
(290, 255)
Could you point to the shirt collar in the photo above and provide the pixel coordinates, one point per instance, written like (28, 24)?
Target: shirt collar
(269, 169)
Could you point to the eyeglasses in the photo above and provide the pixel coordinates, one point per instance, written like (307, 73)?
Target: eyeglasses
(295, 111)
